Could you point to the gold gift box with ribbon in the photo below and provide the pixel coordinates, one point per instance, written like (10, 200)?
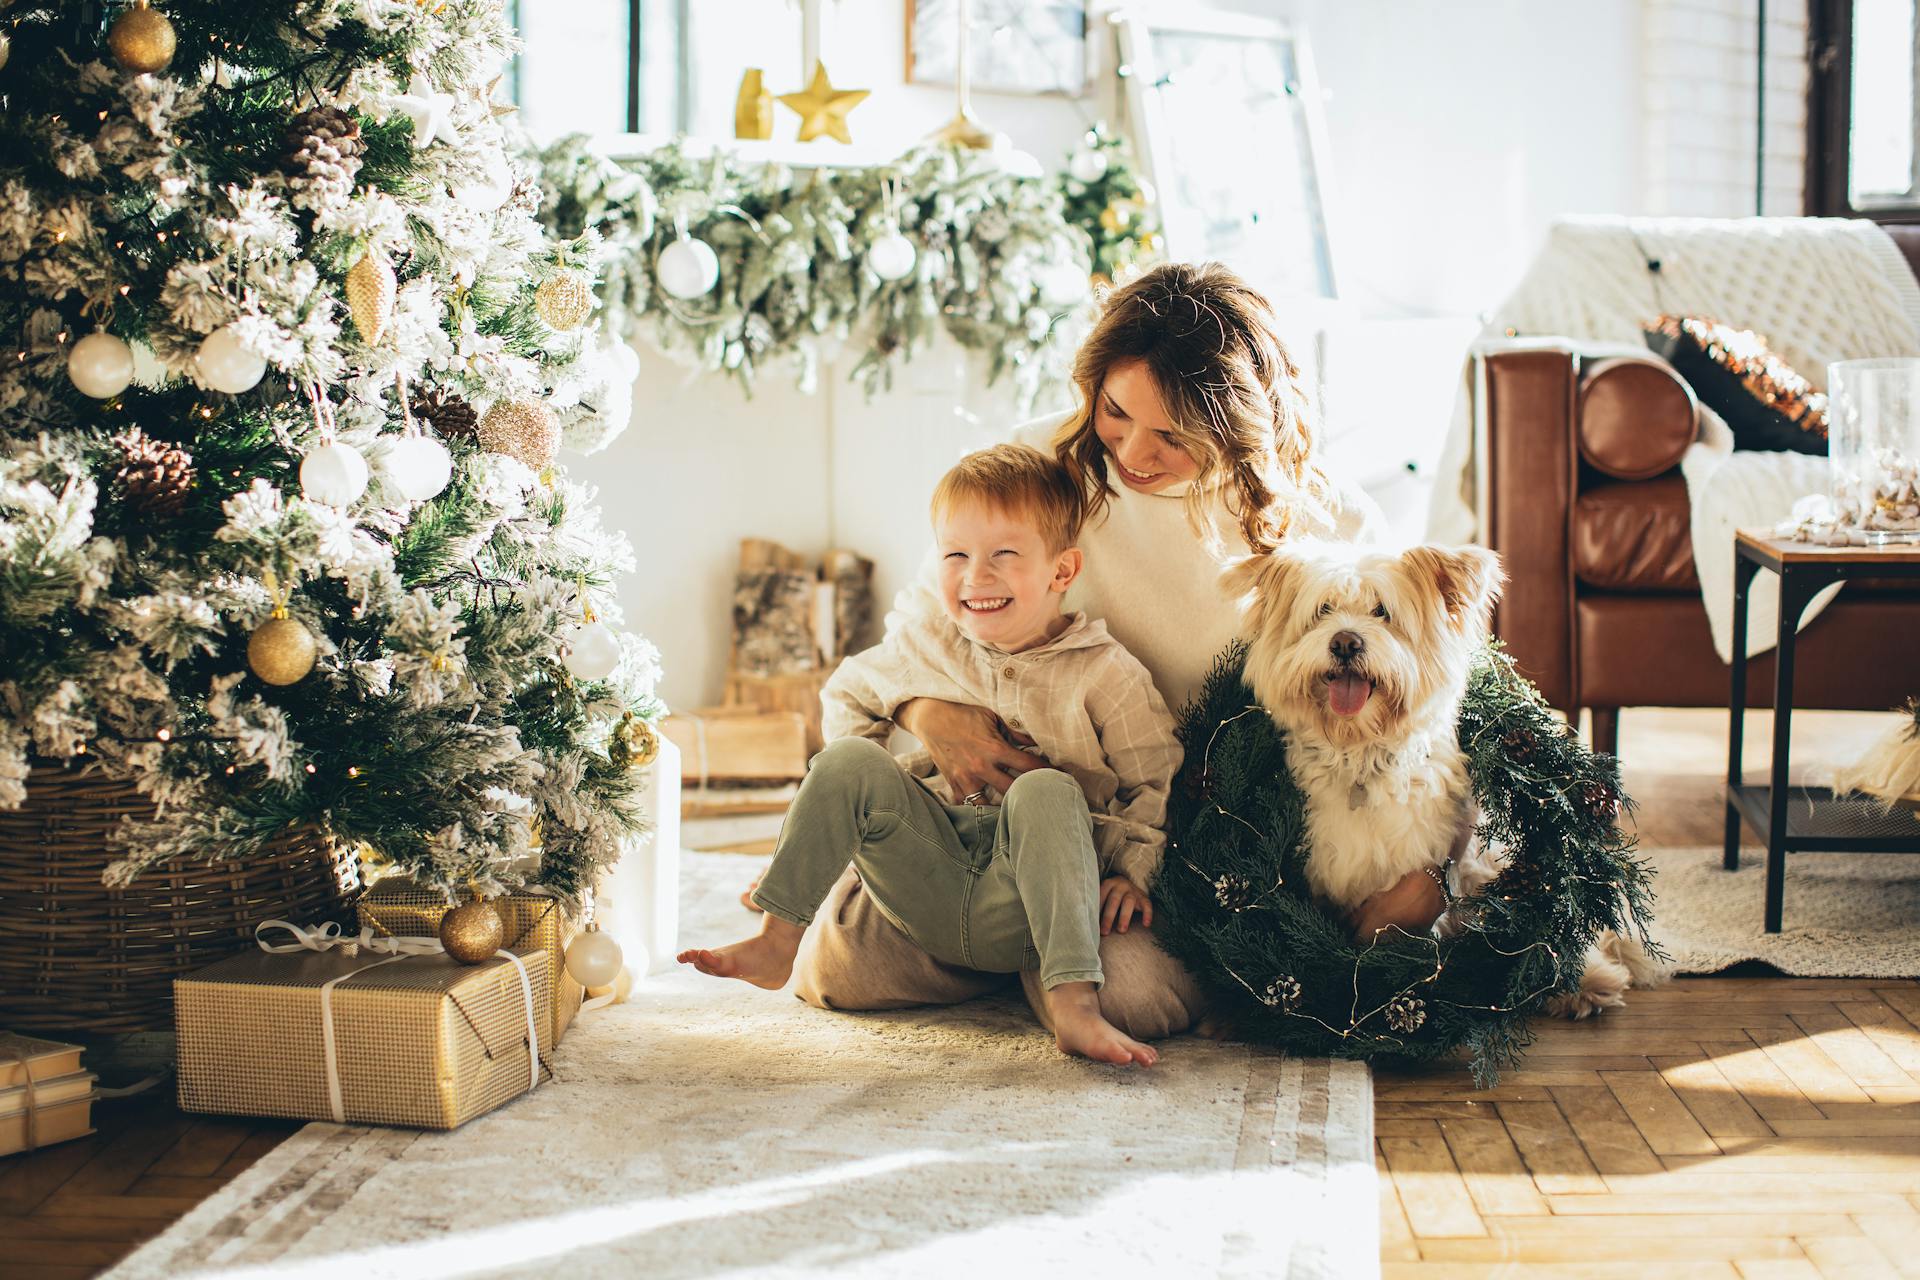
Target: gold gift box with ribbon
(397, 907)
(345, 1029)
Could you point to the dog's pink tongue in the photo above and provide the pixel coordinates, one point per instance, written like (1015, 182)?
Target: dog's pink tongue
(1348, 695)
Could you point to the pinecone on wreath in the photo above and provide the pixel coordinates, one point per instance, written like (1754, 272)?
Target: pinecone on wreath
(322, 156)
(1406, 1014)
(1520, 745)
(155, 477)
(1601, 802)
(1283, 993)
(450, 416)
(1235, 893)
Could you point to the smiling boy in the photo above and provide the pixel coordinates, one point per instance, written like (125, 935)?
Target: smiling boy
(991, 882)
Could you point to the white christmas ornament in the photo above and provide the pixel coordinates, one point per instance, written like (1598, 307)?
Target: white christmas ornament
(101, 365)
(335, 474)
(419, 467)
(490, 190)
(225, 362)
(594, 958)
(688, 268)
(1062, 284)
(593, 651)
(428, 109)
(892, 255)
(1087, 166)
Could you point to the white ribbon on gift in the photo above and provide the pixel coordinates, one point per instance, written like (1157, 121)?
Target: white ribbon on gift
(327, 936)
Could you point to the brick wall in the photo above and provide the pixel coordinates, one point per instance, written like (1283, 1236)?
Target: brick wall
(1700, 106)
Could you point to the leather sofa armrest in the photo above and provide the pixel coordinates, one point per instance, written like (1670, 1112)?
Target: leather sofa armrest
(1526, 423)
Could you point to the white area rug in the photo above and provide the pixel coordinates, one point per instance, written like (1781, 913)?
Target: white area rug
(708, 1129)
(1846, 915)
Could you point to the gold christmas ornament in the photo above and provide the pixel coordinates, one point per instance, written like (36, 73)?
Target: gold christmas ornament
(281, 651)
(564, 300)
(141, 40)
(371, 289)
(823, 108)
(473, 931)
(522, 429)
(634, 744)
(1115, 217)
(753, 109)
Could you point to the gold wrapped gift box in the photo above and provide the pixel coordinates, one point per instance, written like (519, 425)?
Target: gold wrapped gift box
(417, 1040)
(397, 907)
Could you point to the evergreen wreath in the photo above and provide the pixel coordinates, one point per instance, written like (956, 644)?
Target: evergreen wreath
(1234, 905)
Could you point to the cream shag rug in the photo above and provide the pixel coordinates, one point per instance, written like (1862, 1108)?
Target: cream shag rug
(708, 1128)
(1847, 915)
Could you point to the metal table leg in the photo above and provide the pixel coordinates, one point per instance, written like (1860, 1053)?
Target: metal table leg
(1743, 574)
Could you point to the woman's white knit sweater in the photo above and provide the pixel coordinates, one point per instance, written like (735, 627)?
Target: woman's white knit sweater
(1149, 575)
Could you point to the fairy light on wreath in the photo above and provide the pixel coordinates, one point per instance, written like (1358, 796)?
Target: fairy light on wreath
(1286, 972)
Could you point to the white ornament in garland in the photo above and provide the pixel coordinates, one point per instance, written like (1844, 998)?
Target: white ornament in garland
(226, 363)
(334, 474)
(892, 255)
(419, 467)
(1087, 165)
(688, 268)
(1062, 284)
(100, 365)
(593, 651)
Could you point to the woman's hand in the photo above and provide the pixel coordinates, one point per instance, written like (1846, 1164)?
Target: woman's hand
(1120, 900)
(969, 746)
(1412, 905)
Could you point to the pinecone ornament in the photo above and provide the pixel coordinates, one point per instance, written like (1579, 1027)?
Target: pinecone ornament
(1406, 1014)
(1601, 802)
(450, 416)
(1283, 993)
(154, 478)
(1235, 893)
(1520, 745)
(322, 157)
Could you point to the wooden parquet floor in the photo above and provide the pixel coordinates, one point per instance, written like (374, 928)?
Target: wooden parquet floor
(1726, 1127)
(1716, 1127)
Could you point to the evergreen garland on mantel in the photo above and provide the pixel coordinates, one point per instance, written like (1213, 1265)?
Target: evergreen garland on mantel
(1235, 908)
(996, 262)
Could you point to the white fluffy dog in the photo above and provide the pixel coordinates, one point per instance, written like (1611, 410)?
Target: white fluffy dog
(1362, 658)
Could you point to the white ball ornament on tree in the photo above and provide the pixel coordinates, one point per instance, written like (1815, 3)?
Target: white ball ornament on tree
(226, 363)
(594, 958)
(688, 268)
(1062, 284)
(892, 255)
(335, 474)
(1087, 165)
(419, 467)
(489, 189)
(593, 651)
(100, 365)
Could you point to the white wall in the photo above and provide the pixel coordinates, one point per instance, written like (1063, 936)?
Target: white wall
(1457, 131)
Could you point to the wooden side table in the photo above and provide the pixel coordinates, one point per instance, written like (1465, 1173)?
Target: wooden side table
(1803, 819)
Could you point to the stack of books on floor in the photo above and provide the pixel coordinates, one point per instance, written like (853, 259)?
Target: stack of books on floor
(44, 1095)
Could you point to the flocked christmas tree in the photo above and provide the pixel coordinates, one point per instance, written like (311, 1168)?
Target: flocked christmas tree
(287, 358)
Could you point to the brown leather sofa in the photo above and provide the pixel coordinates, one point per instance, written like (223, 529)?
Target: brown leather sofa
(1581, 493)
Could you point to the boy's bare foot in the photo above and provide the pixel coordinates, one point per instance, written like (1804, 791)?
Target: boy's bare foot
(765, 960)
(1079, 1028)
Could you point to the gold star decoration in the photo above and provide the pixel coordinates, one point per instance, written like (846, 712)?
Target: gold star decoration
(823, 108)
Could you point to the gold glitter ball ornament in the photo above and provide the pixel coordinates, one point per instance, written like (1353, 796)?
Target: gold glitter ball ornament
(473, 931)
(522, 429)
(634, 744)
(565, 300)
(141, 40)
(281, 651)
(371, 289)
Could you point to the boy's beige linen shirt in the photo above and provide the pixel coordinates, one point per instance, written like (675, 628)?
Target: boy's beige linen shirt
(1087, 703)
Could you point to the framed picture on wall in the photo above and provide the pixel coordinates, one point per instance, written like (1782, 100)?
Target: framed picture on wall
(1013, 46)
(1230, 130)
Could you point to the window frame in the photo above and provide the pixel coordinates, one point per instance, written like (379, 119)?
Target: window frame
(1830, 119)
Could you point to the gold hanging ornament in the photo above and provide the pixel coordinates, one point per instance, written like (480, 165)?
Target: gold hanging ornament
(522, 429)
(753, 108)
(564, 300)
(281, 651)
(141, 40)
(823, 108)
(634, 745)
(473, 931)
(371, 290)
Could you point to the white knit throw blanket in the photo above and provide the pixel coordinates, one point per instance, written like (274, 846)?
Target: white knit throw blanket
(1819, 289)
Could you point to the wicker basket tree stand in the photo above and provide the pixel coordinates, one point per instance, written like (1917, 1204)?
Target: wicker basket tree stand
(79, 957)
